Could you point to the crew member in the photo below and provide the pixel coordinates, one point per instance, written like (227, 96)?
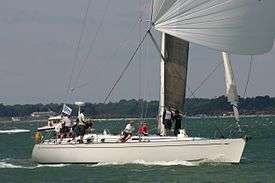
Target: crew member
(177, 119)
(81, 125)
(167, 120)
(128, 131)
(143, 129)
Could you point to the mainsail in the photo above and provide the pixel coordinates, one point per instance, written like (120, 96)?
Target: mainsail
(175, 71)
(173, 75)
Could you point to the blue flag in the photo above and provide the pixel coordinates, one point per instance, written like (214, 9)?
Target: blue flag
(66, 110)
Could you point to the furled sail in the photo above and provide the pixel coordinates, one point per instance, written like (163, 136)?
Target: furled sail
(231, 89)
(234, 26)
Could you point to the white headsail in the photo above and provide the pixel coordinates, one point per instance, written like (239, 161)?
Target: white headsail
(243, 27)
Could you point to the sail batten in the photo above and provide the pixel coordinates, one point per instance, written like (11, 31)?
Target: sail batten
(235, 26)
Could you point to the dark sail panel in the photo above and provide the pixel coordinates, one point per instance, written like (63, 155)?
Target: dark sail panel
(175, 72)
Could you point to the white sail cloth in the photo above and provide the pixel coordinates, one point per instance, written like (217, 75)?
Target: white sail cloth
(245, 27)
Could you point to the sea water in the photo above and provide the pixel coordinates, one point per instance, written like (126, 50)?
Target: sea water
(257, 163)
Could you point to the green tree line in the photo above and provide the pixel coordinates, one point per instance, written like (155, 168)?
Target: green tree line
(140, 108)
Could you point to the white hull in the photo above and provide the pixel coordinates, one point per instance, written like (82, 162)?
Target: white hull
(189, 149)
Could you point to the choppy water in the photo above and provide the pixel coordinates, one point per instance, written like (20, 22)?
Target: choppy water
(257, 164)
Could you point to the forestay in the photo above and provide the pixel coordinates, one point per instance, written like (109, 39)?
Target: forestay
(232, 26)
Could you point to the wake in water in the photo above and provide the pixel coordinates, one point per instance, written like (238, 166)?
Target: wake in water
(9, 165)
(6, 165)
(153, 163)
(52, 165)
(14, 131)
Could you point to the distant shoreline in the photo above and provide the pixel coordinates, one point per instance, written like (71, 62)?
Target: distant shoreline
(139, 119)
(218, 106)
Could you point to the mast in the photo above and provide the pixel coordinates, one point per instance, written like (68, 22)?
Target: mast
(79, 104)
(161, 99)
(231, 89)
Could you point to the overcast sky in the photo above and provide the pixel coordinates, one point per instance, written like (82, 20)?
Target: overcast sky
(38, 42)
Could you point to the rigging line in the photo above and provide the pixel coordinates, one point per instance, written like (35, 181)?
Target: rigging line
(146, 74)
(146, 109)
(152, 11)
(159, 8)
(123, 44)
(248, 77)
(157, 46)
(187, 102)
(126, 67)
(76, 54)
(203, 81)
(93, 41)
(143, 55)
(189, 89)
(140, 19)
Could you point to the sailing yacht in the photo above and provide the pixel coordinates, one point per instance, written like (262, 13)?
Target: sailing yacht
(233, 27)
